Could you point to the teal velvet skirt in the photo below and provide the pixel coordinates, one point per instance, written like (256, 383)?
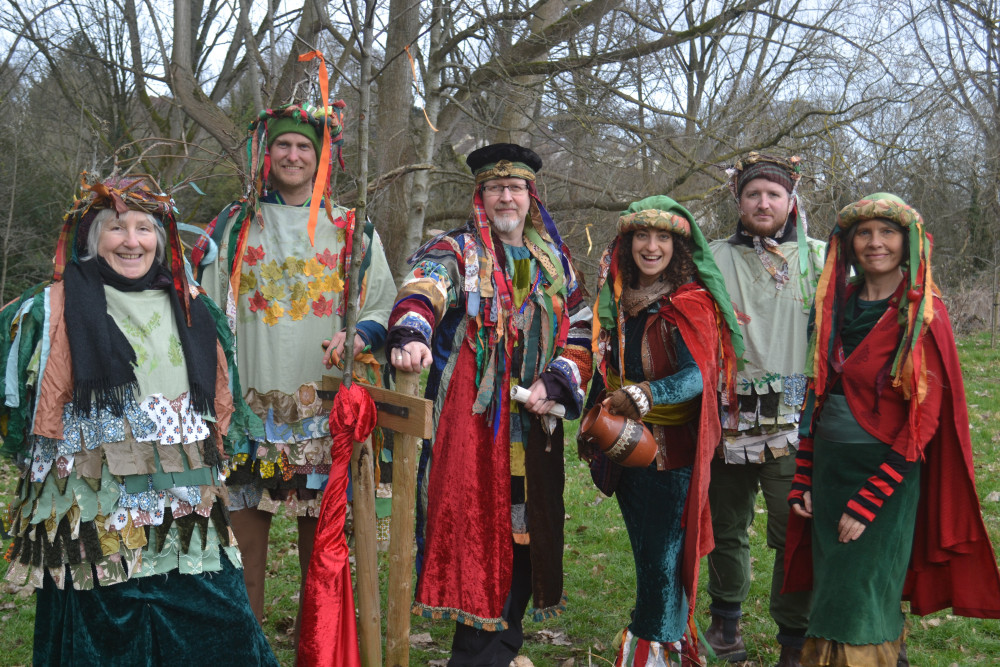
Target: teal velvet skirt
(652, 504)
(858, 586)
(164, 619)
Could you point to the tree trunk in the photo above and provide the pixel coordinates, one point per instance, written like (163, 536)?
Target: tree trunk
(420, 193)
(10, 222)
(395, 136)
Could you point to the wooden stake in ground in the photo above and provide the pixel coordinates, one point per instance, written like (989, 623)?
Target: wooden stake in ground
(401, 537)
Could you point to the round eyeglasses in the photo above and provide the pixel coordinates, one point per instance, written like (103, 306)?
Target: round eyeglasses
(495, 189)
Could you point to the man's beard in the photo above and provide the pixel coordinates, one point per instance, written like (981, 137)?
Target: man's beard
(505, 221)
(764, 229)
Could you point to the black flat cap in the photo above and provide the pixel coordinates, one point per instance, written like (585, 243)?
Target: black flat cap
(483, 160)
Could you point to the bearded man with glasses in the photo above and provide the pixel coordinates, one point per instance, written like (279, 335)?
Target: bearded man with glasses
(493, 304)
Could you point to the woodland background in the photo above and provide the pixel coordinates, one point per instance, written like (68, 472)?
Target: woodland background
(621, 98)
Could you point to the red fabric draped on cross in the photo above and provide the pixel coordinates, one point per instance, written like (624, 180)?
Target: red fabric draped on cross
(329, 636)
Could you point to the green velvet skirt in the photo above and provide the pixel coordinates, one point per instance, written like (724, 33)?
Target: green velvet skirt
(858, 586)
(164, 619)
(652, 504)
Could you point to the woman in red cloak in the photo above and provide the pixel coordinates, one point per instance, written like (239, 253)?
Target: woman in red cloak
(665, 323)
(884, 502)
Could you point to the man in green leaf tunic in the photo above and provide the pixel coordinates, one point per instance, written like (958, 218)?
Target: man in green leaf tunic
(281, 277)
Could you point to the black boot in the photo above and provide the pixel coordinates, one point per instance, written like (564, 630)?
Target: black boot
(723, 635)
(790, 656)
(903, 661)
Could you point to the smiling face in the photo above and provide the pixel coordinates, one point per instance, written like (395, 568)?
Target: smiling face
(128, 243)
(878, 247)
(506, 210)
(764, 207)
(652, 250)
(293, 167)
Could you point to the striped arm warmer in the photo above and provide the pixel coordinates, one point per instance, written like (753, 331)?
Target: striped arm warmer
(802, 481)
(866, 503)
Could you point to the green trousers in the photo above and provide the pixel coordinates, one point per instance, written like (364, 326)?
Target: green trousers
(732, 493)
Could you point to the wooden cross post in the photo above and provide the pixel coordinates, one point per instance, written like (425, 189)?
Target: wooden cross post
(411, 417)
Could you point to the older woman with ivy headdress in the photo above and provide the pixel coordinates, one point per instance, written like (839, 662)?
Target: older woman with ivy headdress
(665, 332)
(117, 411)
(884, 485)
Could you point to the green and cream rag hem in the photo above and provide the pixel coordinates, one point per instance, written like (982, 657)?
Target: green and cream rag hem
(752, 448)
(293, 506)
(252, 496)
(480, 623)
(157, 556)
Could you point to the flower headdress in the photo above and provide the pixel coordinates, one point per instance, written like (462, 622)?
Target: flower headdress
(135, 192)
(324, 126)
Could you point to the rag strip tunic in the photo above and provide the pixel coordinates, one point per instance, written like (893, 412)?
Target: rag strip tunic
(289, 297)
(674, 343)
(119, 521)
(492, 475)
(929, 510)
(770, 383)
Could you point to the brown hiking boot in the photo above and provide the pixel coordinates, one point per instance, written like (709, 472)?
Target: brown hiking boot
(789, 656)
(723, 635)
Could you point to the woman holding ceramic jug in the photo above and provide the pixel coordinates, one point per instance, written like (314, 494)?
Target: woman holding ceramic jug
(664, 316)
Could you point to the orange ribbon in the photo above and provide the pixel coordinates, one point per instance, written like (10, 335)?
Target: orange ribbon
(323, 168)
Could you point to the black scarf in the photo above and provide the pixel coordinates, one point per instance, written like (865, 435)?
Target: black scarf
(103, 359)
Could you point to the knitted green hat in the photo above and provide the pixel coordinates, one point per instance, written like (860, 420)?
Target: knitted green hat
(285, 124)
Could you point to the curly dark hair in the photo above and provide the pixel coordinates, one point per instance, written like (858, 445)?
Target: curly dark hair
(679, 270)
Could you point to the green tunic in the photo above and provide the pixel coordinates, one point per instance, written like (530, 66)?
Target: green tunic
(858, 585)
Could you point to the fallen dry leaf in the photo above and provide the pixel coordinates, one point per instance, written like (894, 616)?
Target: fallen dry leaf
(554, 637)
(421, 639)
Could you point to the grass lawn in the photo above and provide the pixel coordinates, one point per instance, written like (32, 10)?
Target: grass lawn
(599, 574)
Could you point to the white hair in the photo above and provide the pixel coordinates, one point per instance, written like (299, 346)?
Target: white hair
(106, 214)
